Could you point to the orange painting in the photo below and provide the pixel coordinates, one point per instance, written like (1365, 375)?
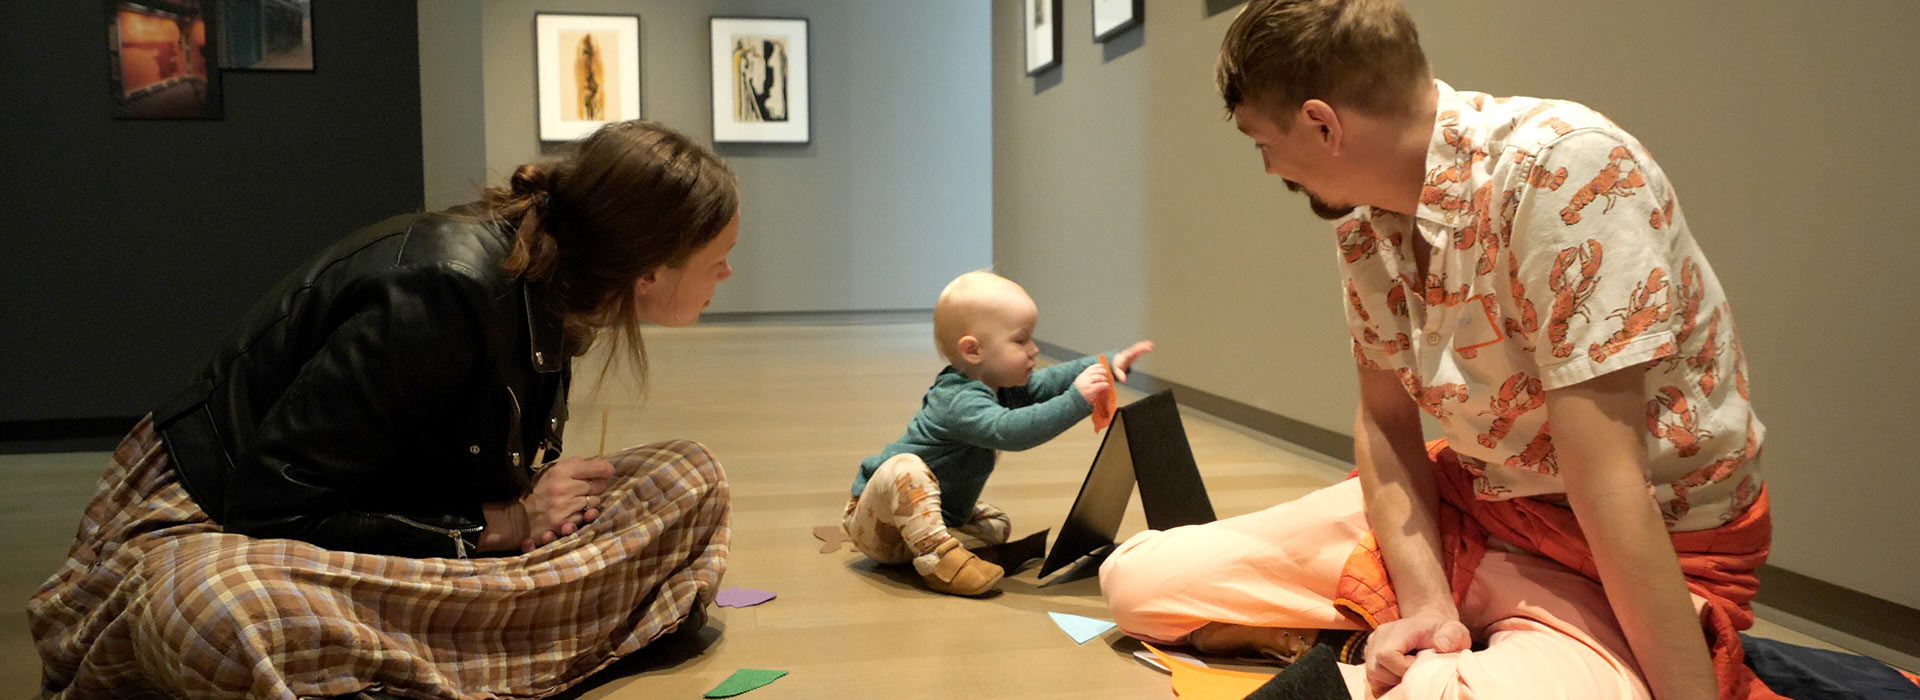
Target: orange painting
(153, 49)
(150, 50)
(160, 62)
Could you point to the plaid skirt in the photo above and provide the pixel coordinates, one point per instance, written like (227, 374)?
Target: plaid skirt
(156, 601)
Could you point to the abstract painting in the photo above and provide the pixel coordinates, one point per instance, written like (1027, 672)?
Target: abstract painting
(587, 71)
(760, 89)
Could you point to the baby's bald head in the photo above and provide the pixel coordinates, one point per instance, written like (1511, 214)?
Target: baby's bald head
(975, 303)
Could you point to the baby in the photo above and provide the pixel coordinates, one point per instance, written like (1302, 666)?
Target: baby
(919, 499)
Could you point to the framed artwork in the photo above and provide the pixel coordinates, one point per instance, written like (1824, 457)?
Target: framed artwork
(760, 89)
(163, 62)
(1042, 27)
(1112, 18)
(266, 34)
(586, 72)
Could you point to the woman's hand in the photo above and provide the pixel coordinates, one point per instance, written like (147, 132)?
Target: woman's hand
(1092, 382)
(1123, 360)
(566, 497)
(1392, 647)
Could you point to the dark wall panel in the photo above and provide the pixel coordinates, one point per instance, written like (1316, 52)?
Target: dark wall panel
(131, 246)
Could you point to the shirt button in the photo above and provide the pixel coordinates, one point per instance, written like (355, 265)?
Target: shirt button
(1433, 338)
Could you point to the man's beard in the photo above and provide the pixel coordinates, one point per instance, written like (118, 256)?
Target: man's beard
(1319, 206)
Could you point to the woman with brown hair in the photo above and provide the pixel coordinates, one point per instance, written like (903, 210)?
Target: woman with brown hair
(359, 492)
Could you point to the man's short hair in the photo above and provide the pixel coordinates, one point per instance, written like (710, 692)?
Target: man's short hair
(1363, 54)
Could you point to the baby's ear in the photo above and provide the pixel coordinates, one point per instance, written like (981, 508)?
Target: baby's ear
(969, 347)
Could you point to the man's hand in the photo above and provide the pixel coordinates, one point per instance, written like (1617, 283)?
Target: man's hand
(1396, 479)
(1391, 648)
(566, 497)
(1123, 360)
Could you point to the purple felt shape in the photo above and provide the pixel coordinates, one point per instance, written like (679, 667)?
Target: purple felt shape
(742, 597)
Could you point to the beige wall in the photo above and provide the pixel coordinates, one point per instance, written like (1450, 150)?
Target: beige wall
(1791, 130)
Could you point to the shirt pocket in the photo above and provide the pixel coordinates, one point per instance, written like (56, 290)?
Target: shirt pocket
(1478, 326)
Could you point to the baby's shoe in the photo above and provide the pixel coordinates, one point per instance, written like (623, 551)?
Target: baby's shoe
(954, 570)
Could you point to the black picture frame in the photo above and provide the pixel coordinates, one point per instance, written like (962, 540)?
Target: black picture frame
(1136, 13)
(1040, 18)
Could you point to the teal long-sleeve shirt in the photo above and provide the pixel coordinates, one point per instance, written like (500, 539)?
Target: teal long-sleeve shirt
(962, 422)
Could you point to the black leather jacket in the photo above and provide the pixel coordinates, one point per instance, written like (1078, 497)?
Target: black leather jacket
(378, 396)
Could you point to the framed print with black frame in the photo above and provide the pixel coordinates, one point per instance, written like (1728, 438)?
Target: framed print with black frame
(760, 87)
(586, 72)
(1112, 18)
(1041, 25)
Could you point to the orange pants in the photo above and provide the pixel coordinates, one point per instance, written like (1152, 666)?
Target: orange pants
(1541, 630)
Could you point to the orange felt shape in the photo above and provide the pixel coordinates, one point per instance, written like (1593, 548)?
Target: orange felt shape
(1103, 405)
(1192, 682)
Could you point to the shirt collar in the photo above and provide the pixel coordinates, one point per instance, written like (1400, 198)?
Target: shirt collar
(1455, 153)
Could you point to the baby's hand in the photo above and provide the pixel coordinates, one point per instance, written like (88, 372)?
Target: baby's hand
(1092, 382)
(1123, 360)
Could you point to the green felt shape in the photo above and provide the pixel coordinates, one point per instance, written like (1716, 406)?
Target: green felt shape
(742, 681)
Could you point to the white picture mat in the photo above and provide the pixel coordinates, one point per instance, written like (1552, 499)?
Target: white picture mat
(1039, 39)
(546, 31)
(1109, 14)
(796, 129)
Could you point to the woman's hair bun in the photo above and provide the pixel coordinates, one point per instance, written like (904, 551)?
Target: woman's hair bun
(531, 178)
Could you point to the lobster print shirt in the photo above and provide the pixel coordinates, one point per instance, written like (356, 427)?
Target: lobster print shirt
(1559, 253)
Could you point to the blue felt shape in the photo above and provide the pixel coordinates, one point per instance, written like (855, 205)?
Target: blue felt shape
(1080, 628)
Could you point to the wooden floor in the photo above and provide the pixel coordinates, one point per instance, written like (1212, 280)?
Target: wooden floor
(790, 410)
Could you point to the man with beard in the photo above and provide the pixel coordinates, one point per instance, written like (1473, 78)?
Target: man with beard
(1520, 270)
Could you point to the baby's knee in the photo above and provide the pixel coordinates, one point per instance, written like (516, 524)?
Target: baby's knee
(905, 465)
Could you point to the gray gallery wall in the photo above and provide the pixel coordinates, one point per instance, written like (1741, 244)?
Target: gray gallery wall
(1131, 209)
(890, 199)
(131, 246)
(453, 112)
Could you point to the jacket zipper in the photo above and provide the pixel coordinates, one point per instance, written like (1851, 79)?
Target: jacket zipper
(513, 430)
(458, 534)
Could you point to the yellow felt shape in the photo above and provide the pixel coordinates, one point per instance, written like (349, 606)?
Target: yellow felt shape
(1192, 682)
